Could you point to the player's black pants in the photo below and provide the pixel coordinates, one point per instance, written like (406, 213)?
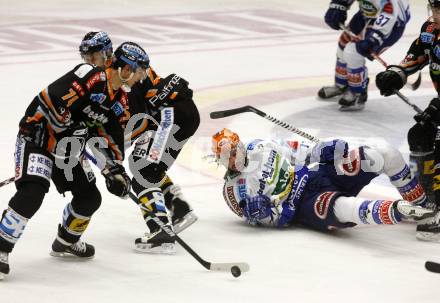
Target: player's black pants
(34, 167)
(174, 125)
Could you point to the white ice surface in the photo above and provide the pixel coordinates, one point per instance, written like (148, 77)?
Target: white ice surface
(228, 64)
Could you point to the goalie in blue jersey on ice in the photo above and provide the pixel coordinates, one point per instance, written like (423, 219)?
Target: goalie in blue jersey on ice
(278, 184)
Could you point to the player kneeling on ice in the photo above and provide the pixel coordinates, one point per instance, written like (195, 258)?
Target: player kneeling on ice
(272, 184)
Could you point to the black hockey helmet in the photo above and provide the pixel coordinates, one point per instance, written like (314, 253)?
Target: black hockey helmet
(132, 54)
(434, 3)
(95, 42)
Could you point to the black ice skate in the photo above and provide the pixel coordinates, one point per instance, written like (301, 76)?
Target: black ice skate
(428, 229)
(328, 92)
(352, 102)
(80, 249)
(4, 264)
(182, 215)
(157, 241)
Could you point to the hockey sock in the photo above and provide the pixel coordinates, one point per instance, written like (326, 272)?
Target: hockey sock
(73, 225)
(153, 202)
(12, 226)
(361, 211)
(341, 73)
(357, 79)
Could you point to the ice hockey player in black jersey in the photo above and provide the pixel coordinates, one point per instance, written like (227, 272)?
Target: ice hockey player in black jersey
(86, 101)
(424, 149)
(171, 115)
(173, 119)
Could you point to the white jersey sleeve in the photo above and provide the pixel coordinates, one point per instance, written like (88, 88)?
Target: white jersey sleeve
(389, 13)
(269, 172)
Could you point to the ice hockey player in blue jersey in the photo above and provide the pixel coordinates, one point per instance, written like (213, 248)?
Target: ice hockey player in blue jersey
(278, 184)
(377, 25)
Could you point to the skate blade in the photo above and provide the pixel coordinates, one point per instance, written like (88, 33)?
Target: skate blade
(351, 108)
(186, 222)
(164, 249)
(2, 276)
(427, 236)
(69, 256)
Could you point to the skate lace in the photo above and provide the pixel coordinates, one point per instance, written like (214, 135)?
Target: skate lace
(79, 247)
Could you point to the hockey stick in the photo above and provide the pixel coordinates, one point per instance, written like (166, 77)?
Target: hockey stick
(413, 86)
(248, 108)
(7, 181)
(234, 267)
(432, 266)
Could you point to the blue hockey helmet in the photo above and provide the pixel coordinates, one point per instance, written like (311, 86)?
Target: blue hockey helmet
(95, 42)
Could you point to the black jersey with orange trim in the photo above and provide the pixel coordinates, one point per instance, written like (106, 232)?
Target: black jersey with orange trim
(425, 50)
(81, 95)
(153, 94)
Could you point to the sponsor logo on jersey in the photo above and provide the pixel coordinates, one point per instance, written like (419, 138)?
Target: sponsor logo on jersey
(427, 38)
(436, 51)
(253, 143)
(165, 91)
(435, 68)
(78, 88)
(101, 118)
(267, 173)
(162, 133)
(322, 204)
(139, 152)
(368, 9)
(97, 77)
(430, 28)
(351, 165)
(117, 108)
(232, 202)
(298, 186)
(19, 154)
(39, 165)
(242, 189)
(98, 98)
(388, 8)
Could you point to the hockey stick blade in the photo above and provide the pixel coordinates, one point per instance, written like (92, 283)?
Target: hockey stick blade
(244, 267)
(208, 265)
(416, 84)
(231, 112)
(432, 266)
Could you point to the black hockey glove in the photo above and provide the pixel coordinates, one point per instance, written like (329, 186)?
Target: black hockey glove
(117, 180)
(336, 13)
(394, 78)
(431, 113)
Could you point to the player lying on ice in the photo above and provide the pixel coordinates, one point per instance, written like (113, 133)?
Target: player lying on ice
(278, 184)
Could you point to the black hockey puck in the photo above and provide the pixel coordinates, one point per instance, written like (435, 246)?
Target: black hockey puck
(430, 266)
(236, 272)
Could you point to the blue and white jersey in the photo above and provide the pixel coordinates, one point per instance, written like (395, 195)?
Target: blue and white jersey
(270, 171)
(386, 14)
